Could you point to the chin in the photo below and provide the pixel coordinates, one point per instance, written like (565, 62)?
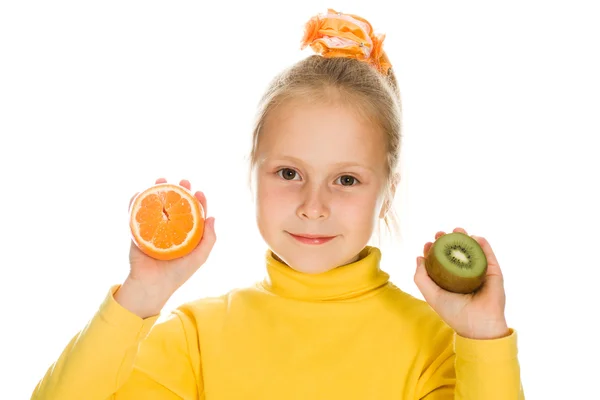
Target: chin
(314, 259)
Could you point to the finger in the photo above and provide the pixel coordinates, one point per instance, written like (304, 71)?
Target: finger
(426, 285)
(131, 200)
(439, 235)
(202, 199)
(186, 184)
(461, 230)
(492, 261)
(161, 180)
(426, 248)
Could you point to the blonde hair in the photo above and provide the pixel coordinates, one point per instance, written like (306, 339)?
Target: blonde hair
(357, 84)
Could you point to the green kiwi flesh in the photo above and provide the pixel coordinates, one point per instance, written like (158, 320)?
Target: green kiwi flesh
(457, 263)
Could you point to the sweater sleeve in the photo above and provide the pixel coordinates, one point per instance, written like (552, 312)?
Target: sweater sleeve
(120, 356)
(470, 369)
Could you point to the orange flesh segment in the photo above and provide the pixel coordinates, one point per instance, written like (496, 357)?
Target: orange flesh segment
(165, 219)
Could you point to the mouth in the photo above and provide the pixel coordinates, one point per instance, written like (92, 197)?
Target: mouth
(307, 238)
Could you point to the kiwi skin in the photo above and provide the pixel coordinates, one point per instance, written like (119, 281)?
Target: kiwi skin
(444, 277)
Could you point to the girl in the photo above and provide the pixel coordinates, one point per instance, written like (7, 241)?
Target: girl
(326, 322)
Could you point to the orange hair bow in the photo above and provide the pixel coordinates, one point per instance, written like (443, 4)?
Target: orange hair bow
(346, 35)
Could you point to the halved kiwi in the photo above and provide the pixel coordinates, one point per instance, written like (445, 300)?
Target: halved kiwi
(457, 263)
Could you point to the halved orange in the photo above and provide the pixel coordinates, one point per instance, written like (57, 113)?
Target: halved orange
(166, 221)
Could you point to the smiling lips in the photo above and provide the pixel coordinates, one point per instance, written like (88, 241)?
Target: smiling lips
(312, 239)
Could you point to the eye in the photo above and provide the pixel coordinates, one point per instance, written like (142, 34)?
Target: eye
(287, 173)
(347, 180)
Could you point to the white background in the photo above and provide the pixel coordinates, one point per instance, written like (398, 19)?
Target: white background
(501, 133)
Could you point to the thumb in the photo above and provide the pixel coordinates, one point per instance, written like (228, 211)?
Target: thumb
(426, 285)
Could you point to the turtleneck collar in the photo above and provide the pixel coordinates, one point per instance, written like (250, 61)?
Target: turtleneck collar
(342, 283)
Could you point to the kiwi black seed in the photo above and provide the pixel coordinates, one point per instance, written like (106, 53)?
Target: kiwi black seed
(457, 263)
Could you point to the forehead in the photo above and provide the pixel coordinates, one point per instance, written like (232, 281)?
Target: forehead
(321, 133)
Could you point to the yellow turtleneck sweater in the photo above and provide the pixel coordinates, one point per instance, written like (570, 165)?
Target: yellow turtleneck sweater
(345, 334)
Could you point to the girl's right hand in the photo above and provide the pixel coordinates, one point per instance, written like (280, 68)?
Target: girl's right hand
(151, 282)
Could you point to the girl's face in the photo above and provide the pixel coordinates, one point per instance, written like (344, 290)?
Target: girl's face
(320, 171)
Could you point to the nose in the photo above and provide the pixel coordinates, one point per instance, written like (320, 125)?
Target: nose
(314, 204)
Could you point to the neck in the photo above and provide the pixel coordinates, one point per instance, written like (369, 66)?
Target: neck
(359, 278)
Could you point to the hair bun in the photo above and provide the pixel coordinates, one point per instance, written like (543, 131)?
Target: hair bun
(336, 34)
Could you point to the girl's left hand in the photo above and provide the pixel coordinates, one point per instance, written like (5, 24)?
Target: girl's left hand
(478, 315)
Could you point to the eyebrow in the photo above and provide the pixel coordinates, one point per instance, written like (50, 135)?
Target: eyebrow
(342, 164)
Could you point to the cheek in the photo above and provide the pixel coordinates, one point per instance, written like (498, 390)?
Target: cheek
(358, 208)
(272, 199)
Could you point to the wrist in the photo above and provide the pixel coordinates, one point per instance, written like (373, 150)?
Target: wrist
(140, 299)
(487, 331)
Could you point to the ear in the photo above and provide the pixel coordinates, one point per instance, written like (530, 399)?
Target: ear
(390, 196)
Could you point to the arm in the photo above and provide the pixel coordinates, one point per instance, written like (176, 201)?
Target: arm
(485, 349)
(469, 369)
(121, 356)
